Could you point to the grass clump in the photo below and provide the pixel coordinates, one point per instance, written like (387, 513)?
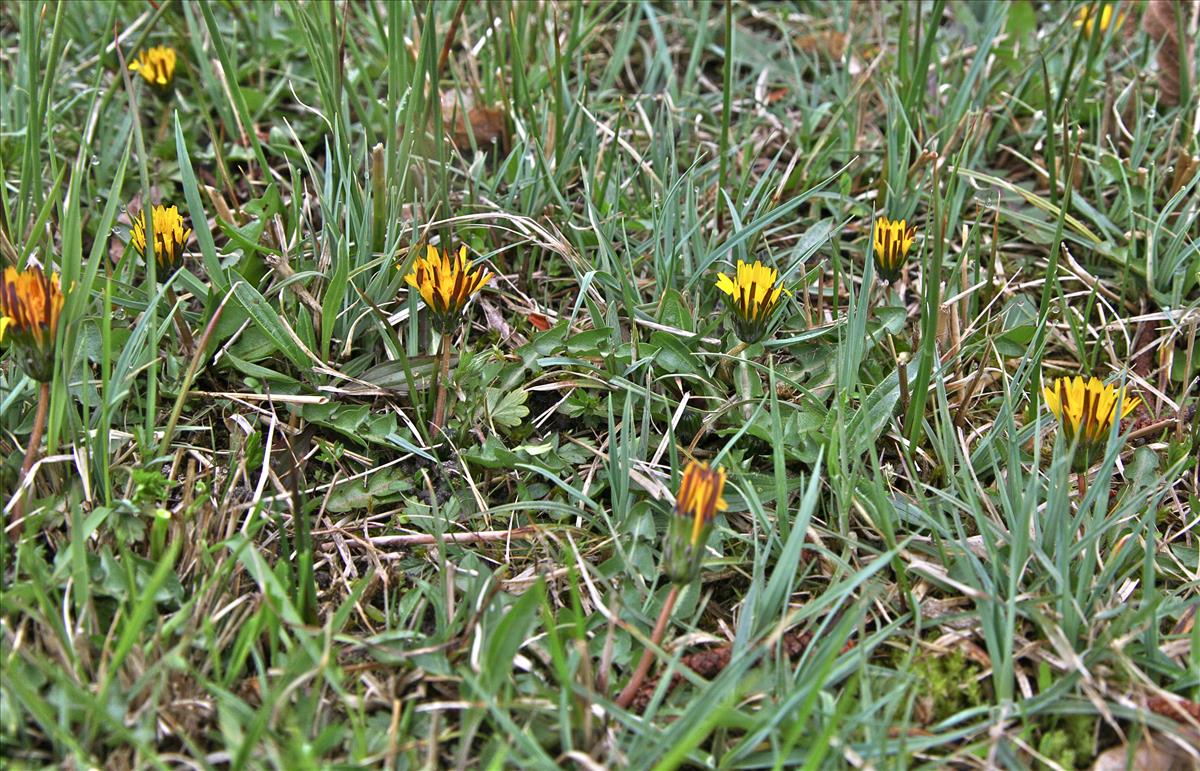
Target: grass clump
(649, 385)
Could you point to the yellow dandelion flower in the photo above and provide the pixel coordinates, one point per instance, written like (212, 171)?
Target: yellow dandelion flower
(892, 239)
(699, 497)
(156, 65)
(170, 234)
(30, 304)
(1083, 19)
(1087, 410)
(752, 296)
(696, 505)
(446, 283)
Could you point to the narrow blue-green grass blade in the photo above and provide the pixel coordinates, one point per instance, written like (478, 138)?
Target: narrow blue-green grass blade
(274, 327)
(783, 573)
(508, 636)
(245, 119)
(133, 627)
(191, 192)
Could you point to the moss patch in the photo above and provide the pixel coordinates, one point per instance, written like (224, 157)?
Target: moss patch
(946, 685)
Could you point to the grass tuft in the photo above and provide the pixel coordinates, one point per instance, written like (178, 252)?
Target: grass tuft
(281, 515)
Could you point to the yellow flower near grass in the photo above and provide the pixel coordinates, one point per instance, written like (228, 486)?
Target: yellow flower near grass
(30, 304)
(1087, 410)
(170, 234)
(696, 505)
(446, 282)
(892, 240)
(156, 65)
(1083, 18)
(752, 295)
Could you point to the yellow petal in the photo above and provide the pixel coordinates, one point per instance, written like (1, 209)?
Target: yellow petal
(1052, 401)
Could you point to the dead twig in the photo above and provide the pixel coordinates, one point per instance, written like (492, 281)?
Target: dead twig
(425, 539)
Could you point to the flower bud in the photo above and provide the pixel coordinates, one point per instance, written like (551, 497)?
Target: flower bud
(696, 505)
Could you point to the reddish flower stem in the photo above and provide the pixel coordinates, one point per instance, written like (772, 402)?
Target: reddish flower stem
(660, 628)
(35, 442)
(439, 409)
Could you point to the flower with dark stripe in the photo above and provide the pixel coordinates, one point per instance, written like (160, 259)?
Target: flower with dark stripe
(30, 304)
(697, 503)
(893, 239)
(1086, 412)
(169, 238)
(156, 65)
(446, 283)
(752, 295)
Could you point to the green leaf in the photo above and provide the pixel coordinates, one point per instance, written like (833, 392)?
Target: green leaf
(673, 356)
(874, 413)
(266, 319)
(491, 454)
(1020, 324)
(273, 591)
(382, 487)
(507, 409)
(510, 632)
(673, 311)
